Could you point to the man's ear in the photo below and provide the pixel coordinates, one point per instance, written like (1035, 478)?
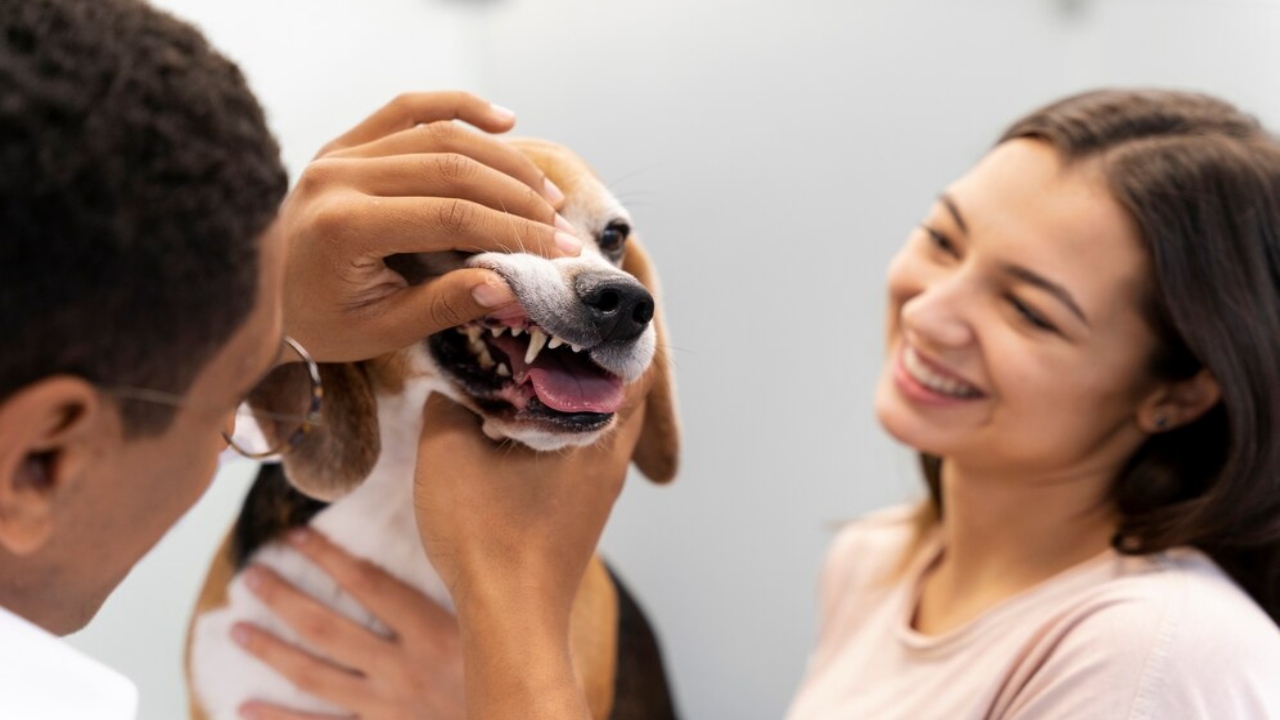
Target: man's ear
(46, 439)
(1179, 403)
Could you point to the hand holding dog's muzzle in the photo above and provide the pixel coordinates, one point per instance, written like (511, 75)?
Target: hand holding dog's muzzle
(511, 532)
(409, 180)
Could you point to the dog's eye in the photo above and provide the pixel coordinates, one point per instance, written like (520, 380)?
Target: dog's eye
(613, 236)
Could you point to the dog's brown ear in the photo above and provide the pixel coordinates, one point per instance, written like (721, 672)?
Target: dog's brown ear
(658, 452)
(339, 453)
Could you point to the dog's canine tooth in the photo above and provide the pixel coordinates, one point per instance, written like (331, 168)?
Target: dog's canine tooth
(537, 339)
(498, 331)
(486, 360)
(575, 348)
(517, 331)
(554, 343)
(503, 370)
(473, 332)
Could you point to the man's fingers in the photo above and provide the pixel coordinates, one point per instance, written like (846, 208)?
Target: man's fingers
(258, 710)
(411, 109)
(432, 175)
(447, 137)
(453, 299)
(307, 672)
(317, 625)
(386, 226)
(389, 599)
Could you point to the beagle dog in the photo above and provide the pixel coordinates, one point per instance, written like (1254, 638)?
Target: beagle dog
(548, 372)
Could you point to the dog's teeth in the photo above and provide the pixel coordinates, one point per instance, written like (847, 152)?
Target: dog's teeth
(498, 331)
(554, 343)
(477, 346)
(486, 360)
(575, 348)
(503, 371)
(517, 331)
(474, 332)
(537, 339)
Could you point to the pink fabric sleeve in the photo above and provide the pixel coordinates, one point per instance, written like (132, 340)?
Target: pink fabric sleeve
(1159, 654)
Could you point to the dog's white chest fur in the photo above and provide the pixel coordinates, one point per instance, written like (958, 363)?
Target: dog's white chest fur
(375, 521)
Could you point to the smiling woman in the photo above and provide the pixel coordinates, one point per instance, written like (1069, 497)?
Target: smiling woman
(1084, 346)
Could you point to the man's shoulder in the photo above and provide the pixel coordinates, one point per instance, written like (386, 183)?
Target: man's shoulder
(44, 678)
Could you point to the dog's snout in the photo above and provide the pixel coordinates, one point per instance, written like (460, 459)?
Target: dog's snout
(620, 308)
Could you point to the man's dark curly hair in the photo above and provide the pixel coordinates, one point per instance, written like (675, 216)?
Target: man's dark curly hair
(137, 175)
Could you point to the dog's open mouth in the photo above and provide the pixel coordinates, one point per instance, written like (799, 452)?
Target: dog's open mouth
(512, 367)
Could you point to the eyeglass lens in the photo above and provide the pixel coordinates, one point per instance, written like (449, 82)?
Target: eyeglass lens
(277, 410)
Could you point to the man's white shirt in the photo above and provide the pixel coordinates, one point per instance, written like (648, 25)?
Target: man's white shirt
(44, 678)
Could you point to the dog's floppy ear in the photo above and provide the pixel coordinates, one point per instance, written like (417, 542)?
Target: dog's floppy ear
(658, 452)
(336, 455)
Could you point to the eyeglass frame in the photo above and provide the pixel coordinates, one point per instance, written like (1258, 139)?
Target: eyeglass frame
(307, 422)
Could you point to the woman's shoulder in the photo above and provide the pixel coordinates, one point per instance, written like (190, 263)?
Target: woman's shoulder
(1203, 617)
(878, 539)
(869, 553)
(1170, 633)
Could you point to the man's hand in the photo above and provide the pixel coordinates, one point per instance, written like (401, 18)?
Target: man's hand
(511, 532)
(415, 672)
(409, 180)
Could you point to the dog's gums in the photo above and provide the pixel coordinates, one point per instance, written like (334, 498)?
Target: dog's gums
(511, 367)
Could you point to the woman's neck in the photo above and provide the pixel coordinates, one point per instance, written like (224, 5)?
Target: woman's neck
(1004, 535)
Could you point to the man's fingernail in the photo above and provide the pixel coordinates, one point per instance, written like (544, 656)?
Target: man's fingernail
(299, 536)
(568, 244)
(240, 634)
(492, 294)
(565, 225)
(501, 113)
(552, 191)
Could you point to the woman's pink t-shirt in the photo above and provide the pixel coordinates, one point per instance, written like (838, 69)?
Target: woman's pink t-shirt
(1162, 636)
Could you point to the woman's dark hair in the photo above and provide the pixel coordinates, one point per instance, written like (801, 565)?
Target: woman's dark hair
(1201, 181)
(137, 175)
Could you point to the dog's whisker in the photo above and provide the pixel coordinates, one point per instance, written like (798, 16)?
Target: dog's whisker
(628, 176)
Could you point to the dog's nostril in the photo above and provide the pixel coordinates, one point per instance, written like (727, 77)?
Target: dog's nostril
(643, 312)
(619, 307)
(606, 300)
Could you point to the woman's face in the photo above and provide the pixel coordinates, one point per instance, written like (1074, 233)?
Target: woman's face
(1015, 339)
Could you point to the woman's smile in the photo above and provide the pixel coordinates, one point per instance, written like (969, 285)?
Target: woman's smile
(925, 381)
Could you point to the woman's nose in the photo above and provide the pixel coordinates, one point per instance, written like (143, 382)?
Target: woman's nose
(939, 314)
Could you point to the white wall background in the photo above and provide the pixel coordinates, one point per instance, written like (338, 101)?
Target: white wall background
(774, 153)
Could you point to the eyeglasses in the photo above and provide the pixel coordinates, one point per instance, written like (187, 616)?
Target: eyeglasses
(275, 415)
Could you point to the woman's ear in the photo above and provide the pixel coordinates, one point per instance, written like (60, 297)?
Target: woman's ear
(46, 438)
(658, 452)
(1179, 403)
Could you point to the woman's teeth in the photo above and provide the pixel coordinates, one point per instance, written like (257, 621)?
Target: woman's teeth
(922, 374)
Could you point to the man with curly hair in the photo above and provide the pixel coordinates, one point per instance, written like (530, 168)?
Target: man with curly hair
(149, 274)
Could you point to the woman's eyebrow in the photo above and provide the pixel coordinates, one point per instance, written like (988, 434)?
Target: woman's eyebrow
(1032, 278)
(950, 204)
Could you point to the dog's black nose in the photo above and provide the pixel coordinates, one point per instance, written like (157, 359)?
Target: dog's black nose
(619, 307)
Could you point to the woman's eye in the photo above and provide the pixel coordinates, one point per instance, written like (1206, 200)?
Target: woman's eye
(1031, 316)
(942, 242)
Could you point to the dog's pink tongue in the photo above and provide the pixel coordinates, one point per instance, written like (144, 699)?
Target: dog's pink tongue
(575, 392)
(568, 382)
